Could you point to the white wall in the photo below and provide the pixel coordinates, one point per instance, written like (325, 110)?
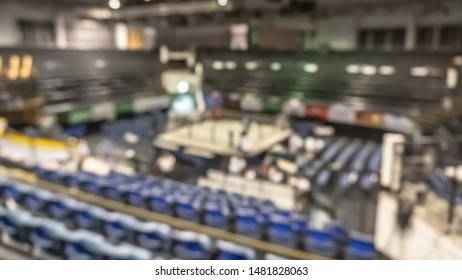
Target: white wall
(10, 12)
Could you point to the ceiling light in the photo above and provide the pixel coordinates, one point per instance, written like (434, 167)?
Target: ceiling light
(310, 68)
(114, 4)
(222, 2)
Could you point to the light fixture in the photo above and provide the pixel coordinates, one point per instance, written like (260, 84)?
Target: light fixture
(218, 65)
(222, 2)
(311, 68)
(230, 65)
(387, 70)
(251, 65)
(353, 69)
(114, 4)
(275, 66)
(182, 87)
(368, 70)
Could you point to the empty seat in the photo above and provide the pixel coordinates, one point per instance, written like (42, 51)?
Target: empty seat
(15, 224)
(300, 223)
(375, 161)
(83, 245)
(138, 197)
(360, 247)
(320, 242)
(188, 208)
(10, 191)
(231, 251)
(152, 236)
(192, 246)
(161, 201)
(61, 207)
(124, 252)
(338, 232)
(280, 231)
(116, 226)
(89, 217)
(37, 201)
(216, 215)
(93, 184)
(359, 163)
(46, 236)
(272, 257)
(248, 223)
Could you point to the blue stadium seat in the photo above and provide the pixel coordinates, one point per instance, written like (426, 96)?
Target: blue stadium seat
(230, 251)
(192, 246)
(46, 236)
(113, 192)
(161, 201)
(280, 231)
(360, 247)
(344, 157)
(89, 217)
(83, 245)
(375, 161)
(216, 215)
(300, 223)
(152, 236)
(320, 242)
(37, 200)
(124, 252)
(61, 208)
(248, 223)
(116, 226)
(187, 208)
(10, 192)
(272, 257)
(338, 232)
(15, 224)
(359, 163)
(138, 197)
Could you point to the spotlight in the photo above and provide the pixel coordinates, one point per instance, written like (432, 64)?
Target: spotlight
(114, 4)
(222, 2)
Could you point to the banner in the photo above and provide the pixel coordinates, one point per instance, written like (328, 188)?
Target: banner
(317, 112)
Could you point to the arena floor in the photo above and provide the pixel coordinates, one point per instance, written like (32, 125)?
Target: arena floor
(222, 137)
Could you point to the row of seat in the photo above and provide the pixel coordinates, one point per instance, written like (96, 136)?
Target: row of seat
(245, 215)
(55, 215)
(343, 156)
(282, 195)
(53, 239)
(142, 127)
(440, 184)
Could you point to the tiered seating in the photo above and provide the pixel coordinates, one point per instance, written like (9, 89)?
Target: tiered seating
(142, 127)
(440, 184)
(282, 195)
(249, 216)
(89, 232)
